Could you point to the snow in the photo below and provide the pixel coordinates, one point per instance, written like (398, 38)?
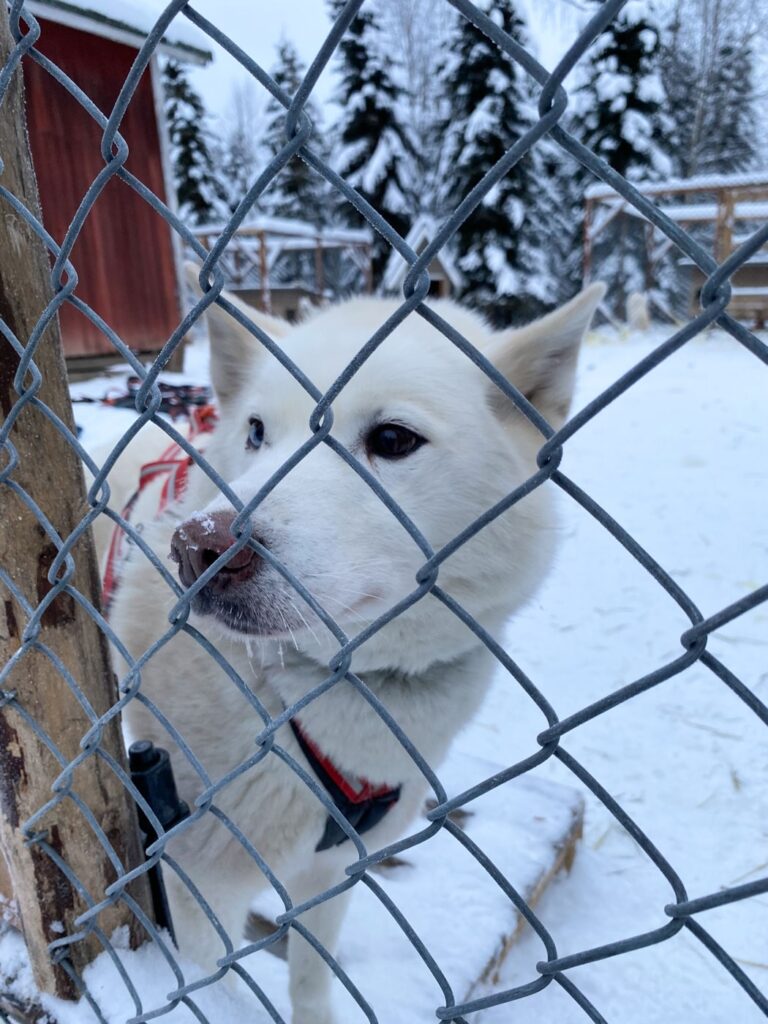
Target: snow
(134, 15)
(685, 212)
(421, 234)
(701, 183)
(635, 11)
(636, 129)
(612, 86)
(651, 89)
(679, 460)
(507, 278)
(290, 226)
(14, 967)
(155, 980)
(459, 913)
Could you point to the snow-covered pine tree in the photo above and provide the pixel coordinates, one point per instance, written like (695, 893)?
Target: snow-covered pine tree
(199, 192)
(298, 192)
(488, 108)
(619, 108)
(373, 141)
(558, 218)
(619, 113)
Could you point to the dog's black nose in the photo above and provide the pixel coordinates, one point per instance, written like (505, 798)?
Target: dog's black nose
(199, 541)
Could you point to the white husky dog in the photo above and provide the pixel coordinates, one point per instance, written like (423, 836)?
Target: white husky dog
(444, 442)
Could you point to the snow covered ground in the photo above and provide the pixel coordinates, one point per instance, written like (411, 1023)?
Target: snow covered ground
(681, 462)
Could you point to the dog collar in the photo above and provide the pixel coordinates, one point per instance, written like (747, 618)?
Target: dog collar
(361, 803)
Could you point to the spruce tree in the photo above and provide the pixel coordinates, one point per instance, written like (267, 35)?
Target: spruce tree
(199, 192)
(373, 141)
(298, 191)
(619, 109)
(558, 219)
(619, 113)
(488, 108)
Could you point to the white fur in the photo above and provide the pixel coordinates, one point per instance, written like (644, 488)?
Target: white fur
(327, 526)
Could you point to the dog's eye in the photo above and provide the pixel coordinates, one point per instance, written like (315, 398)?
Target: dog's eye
(255, 434)
(393, 441)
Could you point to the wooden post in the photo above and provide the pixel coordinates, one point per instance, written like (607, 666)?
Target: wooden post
(319, 271)
(649, 276)
(51, 474)
(587, 242)
(369, 268)
(724, 227)
(266, 294)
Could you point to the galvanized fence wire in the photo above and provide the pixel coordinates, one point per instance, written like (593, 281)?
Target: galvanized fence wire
(682, 910)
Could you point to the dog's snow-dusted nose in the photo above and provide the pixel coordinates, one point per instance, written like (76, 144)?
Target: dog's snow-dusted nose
(199, 541)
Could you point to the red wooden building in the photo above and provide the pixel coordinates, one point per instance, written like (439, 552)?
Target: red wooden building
(127, 257)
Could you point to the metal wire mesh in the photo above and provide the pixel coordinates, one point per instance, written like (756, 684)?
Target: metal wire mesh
(682, 910)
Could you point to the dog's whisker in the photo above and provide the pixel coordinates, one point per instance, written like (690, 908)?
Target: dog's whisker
(260, 644)
(304, 620)
(287, 628)
(347, 608)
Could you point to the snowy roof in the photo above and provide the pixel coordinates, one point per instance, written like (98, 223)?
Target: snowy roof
(759, 259)
(420, 235)
(292, 228)
(702, 183)
(709, 211)
(127, 21)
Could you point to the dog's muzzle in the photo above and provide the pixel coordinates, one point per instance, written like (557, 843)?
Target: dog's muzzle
(198, 542)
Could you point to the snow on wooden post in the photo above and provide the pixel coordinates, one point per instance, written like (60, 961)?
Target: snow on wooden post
(49, 473)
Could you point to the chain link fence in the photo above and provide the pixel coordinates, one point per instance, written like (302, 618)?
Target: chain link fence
(683, 909)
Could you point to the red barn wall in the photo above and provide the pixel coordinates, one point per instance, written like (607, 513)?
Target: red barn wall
(124, 255)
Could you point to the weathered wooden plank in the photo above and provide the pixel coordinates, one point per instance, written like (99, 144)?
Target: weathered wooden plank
(49, 472)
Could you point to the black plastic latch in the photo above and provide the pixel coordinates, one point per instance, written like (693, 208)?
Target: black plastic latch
(152, 775)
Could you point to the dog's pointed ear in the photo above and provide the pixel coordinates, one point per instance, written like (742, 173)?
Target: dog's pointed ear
(232, 346)
(540, 359)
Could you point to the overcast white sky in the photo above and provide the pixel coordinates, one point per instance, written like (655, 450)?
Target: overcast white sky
(258, 25)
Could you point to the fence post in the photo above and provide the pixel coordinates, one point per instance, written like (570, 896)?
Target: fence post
(49, 472)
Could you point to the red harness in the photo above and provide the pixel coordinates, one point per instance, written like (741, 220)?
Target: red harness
(361, 803)
(357, 791)
(174, 464)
